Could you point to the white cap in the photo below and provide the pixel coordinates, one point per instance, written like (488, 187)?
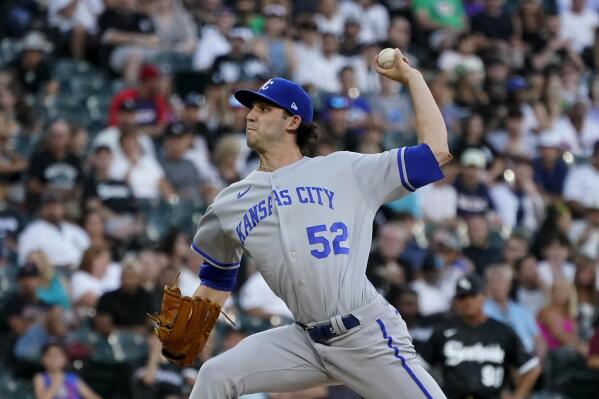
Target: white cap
(550, 140)
(242, 33)
(474, 157)
(35, 41)
(55, 6)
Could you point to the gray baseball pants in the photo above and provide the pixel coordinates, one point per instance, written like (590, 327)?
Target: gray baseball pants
(376, 359)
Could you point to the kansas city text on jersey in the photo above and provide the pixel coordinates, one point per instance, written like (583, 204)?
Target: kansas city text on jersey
(282, 197)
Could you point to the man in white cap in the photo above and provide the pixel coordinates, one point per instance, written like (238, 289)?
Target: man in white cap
(582, 183)
(30, 69)
(550, 169)
(473, 193)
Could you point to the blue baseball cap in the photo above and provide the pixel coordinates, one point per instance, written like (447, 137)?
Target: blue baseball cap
(337, 102)
(283, 93)
(516, 83)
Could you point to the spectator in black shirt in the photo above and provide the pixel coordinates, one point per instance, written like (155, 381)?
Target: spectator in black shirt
(386, 267)
(112, 198)
(473, 136)
(12, 221)
(30, 69)
(420, 327)
(550, 169)
(530, 17)
(240, 64)
(100, 191)
(190, 118)
(55, 167)
(336, 127)
(400, 35)
(12, 165)
(127, 37)
(493, 22)
(476, 353)
(24, 308)
(483, 249)
(126, 307)
(551, 49)
(350, 42)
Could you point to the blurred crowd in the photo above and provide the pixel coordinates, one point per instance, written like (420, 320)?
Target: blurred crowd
(118, 127)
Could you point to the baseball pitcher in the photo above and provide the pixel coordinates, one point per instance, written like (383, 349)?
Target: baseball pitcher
(307, 222)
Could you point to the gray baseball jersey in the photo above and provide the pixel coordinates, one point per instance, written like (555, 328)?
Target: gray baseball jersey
(308, 225)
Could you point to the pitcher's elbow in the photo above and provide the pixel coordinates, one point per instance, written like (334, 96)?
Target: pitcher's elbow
(443, 156)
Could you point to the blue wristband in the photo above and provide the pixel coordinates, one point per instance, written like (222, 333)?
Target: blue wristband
(217, 278)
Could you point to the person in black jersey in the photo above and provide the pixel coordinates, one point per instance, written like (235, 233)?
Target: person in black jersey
(477, 353)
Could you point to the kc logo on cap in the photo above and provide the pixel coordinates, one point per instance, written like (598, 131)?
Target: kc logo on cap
(282, 93)
(266, 84)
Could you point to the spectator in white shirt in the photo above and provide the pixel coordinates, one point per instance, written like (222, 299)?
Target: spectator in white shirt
(582, 182)
(307, 49)
(584, 232)
(213, 41)
(439, 201)
(565, 5)
(143, 173)
(594, 92)
(273, 47)
(578, 25)
(434, 291)
(555, 264)
(462, 58)
(76, 20)
(368, 81)
(530, 290)
(258, 299)
(515, 139)
(125, 123)
(577, 131)
(174, 26)
(374, 19)
(61, 241)
(327, 70)
(329, 17)
(97, 275)
(518, 201)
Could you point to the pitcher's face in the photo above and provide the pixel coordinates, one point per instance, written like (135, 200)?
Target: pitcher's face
(265, 125)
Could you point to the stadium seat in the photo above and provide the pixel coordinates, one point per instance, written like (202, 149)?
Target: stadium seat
(568, 374)
(8, 51)
(11, 387)
(109, 380)
(173, 62)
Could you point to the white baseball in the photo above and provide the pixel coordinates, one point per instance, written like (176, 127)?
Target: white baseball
(386, 58)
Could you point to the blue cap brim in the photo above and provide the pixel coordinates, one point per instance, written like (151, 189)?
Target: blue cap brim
(248, 97)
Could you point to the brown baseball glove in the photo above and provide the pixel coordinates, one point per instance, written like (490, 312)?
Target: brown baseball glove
(184, 325)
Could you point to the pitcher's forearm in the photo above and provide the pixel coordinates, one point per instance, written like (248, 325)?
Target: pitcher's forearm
(214, 295)
(430, 125)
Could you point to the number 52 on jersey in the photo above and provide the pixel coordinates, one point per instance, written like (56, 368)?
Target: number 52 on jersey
(323, 246)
